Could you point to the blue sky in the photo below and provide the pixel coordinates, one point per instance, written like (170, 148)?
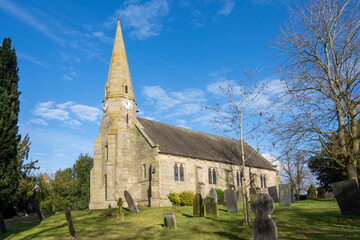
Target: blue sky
(178, 53)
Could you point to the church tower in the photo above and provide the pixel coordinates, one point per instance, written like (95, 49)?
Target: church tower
(114, 155)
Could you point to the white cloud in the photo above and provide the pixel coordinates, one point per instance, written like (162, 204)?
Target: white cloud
(100, 35)
(72, 123)
(46, 110)
(158, 97)
(38, 121)
(31, 59)
(84, 112)
(227, 7)
(143, 20)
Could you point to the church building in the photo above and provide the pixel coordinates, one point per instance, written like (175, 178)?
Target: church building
(152, 159)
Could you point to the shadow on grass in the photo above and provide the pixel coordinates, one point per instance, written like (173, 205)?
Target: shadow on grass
(228, 235)
(17, 228)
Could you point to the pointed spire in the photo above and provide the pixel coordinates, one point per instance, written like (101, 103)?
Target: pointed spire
(119, 73)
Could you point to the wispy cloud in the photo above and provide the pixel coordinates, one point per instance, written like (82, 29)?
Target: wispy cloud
(227, 7)
(143, 20)
(15, 10)
(31, 59)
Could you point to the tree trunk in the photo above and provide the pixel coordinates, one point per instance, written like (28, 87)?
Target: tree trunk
(2, 223)
(351, 168)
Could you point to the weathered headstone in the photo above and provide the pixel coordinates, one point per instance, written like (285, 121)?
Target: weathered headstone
(293, 196)
(37, 209)
(109, 212)
(212, 193)
(231, 200)
(273, 193)
(198, 209)
(347, 194)
(130, 202)
(169, 220)
(120, 214)
(284, 194)
(70, 222)
(211, 208)
(263, 226)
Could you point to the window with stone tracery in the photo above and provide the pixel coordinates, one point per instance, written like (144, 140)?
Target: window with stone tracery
(212, 176)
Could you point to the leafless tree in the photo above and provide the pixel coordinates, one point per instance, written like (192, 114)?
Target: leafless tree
(239, 117)
(321, 46)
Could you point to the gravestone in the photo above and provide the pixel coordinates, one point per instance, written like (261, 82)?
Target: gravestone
(211, 208)
(120, 214)
(284, 194)
(212, 193)
(109, 212)
(293, 196)
(198, 208)
(231, 200)
(263, 226)
(347, 194)
(70, 222)
(37, 209)
(273, 193)
(169, 220)
(130, 202)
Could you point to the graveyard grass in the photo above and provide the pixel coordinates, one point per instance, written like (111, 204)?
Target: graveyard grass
(308, 219)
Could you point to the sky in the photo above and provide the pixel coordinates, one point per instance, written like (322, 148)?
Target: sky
(178, 54)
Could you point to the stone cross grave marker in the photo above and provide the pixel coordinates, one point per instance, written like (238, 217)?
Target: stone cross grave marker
(263, 227)
(273, 193)
(198, 206)
(231, 200)
(37, 209)
(347, 194)
(169, 220)
(212, 193)
(293, 196)
(284, 194)
(211, 208)
(130, 201)
(120, 214)
(109, 212)
(70, 222)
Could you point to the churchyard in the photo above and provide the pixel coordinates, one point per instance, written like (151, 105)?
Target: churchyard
(307, 219)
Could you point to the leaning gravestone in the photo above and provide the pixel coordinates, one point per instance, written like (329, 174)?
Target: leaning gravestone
(109, 211)
(284, 194)
(120, 214)
(231, 200)
(198, 208)
(347, 194)
(273, 193)
(169, 220)
(211, 208)
(293, 196)
(37, 209)
(70, 222)
(263, 226)
(212, 194)
(130, 202)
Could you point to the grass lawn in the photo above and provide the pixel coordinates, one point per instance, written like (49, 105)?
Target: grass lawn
(308, 219)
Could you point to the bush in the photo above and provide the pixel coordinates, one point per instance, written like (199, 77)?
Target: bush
(187, 198)
(311, 192)
(321, 192)
(220, 193)
(174, 198)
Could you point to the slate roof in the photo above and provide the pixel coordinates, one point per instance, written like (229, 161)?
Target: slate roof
(188, 143)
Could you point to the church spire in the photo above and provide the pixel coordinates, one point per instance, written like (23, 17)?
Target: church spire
(119, 81)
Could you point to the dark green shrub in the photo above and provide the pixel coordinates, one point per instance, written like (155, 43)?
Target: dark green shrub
(321, 192)
(311, 192)
(174, 198)
(220, 193)
(186, 198)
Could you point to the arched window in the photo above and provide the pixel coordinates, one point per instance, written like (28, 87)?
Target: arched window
(261, 180)
(237, 179)
(105, 181)
(181, 173)
(214, 176)
(176, 173)
(126, 89)
(210, 178)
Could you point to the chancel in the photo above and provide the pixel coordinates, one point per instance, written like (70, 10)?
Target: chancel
(151, 159)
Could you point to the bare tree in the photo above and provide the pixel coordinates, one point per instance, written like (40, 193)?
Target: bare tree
(294, 168)
(321, 45)
(241, 116)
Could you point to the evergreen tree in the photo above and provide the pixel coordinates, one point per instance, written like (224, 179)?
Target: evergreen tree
(9, 110)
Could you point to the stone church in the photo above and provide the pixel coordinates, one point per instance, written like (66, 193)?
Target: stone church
(152, 159)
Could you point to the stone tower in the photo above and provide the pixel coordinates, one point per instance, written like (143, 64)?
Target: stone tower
(114, 157)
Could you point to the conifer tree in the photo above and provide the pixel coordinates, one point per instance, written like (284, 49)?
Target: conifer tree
(9, 138)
